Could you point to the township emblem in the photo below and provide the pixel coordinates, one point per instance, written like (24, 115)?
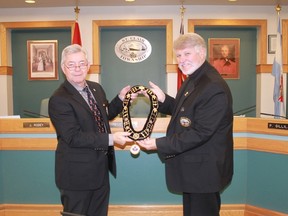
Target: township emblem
(133, 49)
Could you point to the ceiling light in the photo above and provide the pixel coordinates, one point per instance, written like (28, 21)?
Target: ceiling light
(129, 0)
(30, 1)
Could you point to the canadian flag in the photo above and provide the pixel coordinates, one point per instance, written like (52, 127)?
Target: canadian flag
(76, 35)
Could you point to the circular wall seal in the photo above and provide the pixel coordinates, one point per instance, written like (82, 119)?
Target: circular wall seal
(133, 49)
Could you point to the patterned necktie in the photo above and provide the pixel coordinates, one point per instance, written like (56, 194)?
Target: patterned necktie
(95, 109)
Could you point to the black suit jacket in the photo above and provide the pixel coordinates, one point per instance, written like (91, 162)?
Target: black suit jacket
(83, 157)
(198, 148)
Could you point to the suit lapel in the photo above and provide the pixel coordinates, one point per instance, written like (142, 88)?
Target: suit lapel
(187, 88)
(97, 95)
(76, 95)
(183, 95)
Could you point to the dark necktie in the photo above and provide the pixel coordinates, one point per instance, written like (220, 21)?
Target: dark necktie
(95, 109)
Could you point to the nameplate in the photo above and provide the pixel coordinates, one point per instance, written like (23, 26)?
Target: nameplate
(36, 125)
(279, 126)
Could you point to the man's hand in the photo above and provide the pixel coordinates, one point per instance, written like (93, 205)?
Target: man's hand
(148, 144)
(123, 92)
(121, 137)
(156, 90)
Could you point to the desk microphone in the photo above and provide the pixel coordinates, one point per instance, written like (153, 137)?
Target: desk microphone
(33, 113)
(278, 116)
(246, 110)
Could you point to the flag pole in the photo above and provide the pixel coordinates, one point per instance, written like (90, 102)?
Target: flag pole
(278, 9)
(182, 12)
(77, 11)
(277, 71)
(180, 76)
(76, 35)
(281, 93)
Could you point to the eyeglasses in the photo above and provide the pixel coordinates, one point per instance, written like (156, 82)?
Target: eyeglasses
(73, 67)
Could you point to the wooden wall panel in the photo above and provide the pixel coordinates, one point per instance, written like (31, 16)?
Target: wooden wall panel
(132, 210)
(241, 125)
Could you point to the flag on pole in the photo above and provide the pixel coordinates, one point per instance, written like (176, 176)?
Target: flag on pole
(76, 35)
(277, 72)
(180, 76)
(182, 26)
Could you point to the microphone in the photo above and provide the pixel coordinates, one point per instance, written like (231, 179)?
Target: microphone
(278, 116)
(33, 113)
(246, 110)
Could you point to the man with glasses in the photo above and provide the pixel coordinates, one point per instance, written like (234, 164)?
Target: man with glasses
(80, 114)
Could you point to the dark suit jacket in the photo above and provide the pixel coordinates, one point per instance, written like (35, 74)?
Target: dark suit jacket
(82, 157)
(198, 148)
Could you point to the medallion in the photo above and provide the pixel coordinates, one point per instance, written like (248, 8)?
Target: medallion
(135, 149)
(149, 124)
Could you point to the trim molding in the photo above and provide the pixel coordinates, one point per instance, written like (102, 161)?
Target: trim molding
(131, 210)
(6, 26)
(245, 124)
(246, 141)
(5, 70)
(267, 68)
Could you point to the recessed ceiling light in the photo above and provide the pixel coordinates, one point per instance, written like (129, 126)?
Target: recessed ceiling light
(232, 0)
(30, 1)
(129, 0)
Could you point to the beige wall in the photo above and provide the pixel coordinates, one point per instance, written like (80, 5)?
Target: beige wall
(265, 81)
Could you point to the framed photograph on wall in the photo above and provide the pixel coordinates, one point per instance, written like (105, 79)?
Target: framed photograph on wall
(42, 59)
(272, 43)
(224, 55)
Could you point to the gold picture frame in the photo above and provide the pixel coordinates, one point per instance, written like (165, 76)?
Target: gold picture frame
(224, 55)
(42, 59)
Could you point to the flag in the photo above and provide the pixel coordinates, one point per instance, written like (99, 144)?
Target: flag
(76, 35)
(182, 26)
(180, 76)
(277, 72)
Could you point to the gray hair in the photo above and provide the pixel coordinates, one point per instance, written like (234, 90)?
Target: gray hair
(74, 48)
(191, 40)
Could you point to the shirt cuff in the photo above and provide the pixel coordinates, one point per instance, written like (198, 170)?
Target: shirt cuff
(111, 142)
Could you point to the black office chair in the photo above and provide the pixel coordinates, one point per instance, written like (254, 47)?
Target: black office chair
(70, 214)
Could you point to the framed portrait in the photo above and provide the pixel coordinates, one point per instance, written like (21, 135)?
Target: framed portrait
(272, 44)
(42, 59)
(224, 55)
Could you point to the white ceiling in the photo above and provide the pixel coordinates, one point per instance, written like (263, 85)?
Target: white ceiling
(67, 3)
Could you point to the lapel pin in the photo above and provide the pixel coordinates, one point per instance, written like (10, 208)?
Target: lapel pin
(185, 122)
(186, 93)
